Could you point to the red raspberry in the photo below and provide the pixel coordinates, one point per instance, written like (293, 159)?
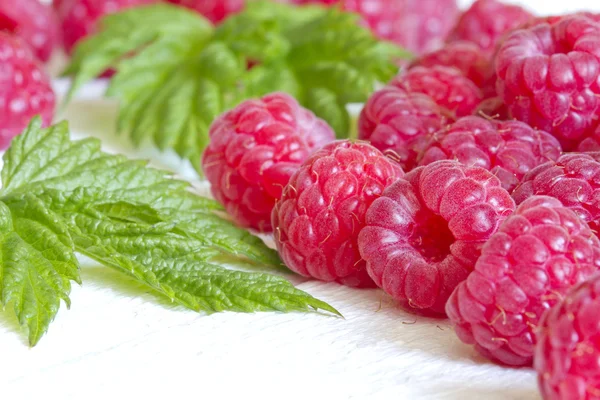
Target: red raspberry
(507, 149)
(34, 22)
(397, 120)
(323, 208)
(79, 17)
(549, 77)
(446, 86)
(538, 253)
(574, 179)
(462, 55)
(417, 25)
(567, 354)
(25, 89)
(423, 236)
(214, 10)
(486, 22)
(253, 151)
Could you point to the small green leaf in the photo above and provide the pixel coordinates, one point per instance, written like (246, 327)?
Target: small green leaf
(326, 105)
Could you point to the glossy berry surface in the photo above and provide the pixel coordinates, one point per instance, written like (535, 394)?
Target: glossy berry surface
(424, 235)
(79, 18)
(417, 25)
(508, 149)
(323, 207)
(567, 354)
(400, 121)
(486, 21)
(447, 86)
(26, 89)
(465, 56)
(539, 252)
(32, 21)
(574, 179)
(214, 10)
(254, 149)
(549, 77)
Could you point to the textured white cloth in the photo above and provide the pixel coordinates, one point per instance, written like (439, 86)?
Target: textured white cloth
(120, 341)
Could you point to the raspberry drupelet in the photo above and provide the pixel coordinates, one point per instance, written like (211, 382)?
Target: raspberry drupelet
(537, 255)
(253, 151)
(423, 236)
(323, 207)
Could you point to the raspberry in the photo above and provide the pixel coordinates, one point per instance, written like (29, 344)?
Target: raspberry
(486, 22)
(214, 10)
(549, 77)
(34, 22)
(253, 151)
(567, 353)
(462, 55)
(538, 253)
(79, 17)
(397, 120)
(446, 86)
(574, 179)
(417, 25)
(507, 149)
(423, 236)
(323, 208)
(26, 89)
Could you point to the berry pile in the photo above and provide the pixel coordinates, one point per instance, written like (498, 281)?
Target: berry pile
(473, 191)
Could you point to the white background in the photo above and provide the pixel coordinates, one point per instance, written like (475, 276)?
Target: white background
(121, 341)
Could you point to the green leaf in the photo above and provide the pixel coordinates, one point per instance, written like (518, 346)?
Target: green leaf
(37, 262)
(326, 105)
(175, 75)
(61, 197)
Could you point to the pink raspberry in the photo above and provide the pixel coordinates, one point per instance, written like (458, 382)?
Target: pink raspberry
(214, 10)
(507, 149)
(538, 253)
(574, 179)
(567, 353)
(549, 77)
(254, 150)
(486, 22)
(34, 22)
(417, 25)
(79, 17)
(26, 89)
(423, 236)
(462, 55)
(323, 208)
(446, 86)
(397, 120)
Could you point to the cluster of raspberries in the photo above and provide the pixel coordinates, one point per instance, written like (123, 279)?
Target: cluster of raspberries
(473, 192)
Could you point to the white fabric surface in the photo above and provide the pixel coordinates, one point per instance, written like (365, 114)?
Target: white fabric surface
(121, 341)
